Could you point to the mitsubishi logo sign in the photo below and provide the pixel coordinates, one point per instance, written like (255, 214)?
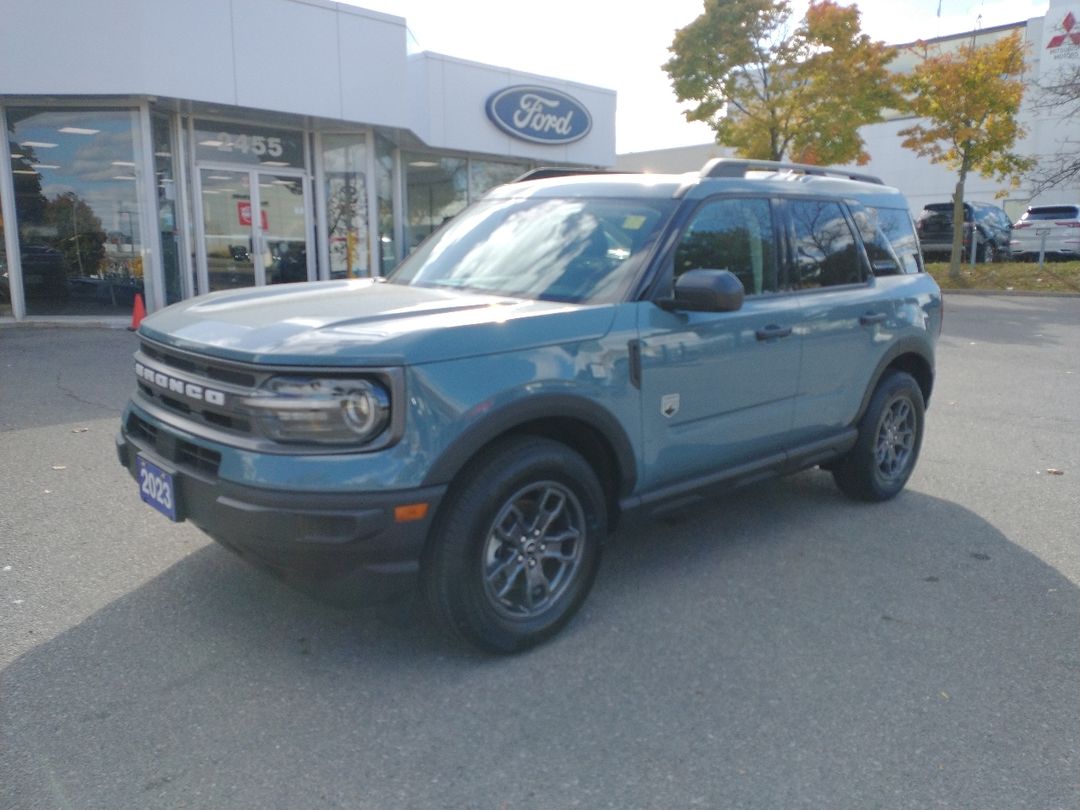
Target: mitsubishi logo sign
(1071, 32)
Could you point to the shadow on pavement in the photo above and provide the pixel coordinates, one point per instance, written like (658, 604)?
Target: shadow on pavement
(1013, 320)
(783, 648)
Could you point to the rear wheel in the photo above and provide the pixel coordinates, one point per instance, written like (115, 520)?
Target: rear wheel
(517, 550)
(890, 435)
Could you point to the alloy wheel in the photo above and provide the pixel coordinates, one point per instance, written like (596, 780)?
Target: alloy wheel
(896, 439)
(533, 549)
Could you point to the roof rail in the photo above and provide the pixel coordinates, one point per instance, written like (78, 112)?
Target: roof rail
(738, 167)
(544, 172)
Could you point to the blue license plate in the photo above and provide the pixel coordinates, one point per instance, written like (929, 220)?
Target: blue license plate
(157, 487)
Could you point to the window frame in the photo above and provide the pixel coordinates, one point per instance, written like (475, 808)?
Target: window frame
(660, 282)
(905, 213)
(657, 282)
(785, 205)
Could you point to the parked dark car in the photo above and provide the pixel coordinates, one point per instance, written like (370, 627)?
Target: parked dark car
(44, 273)
(990, 222)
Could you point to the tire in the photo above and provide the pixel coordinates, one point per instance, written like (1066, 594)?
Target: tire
(517, 547)
(890, 435)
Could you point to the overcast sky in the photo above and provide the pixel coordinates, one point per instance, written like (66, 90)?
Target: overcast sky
(621, 45)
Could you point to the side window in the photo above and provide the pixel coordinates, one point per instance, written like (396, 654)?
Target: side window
(733, 234)
(879, 250)
(895, 224)
(826, 253)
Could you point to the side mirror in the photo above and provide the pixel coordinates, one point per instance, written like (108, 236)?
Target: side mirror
(706, 291)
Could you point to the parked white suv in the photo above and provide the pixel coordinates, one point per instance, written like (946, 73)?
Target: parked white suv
(1058, 225)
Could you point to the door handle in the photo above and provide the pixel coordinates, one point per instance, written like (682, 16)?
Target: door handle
(773, 331)
(870, 318)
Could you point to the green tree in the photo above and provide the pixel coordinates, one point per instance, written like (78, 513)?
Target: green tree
(774, 92)
(79, 235)
(968, 100)
(29, 199)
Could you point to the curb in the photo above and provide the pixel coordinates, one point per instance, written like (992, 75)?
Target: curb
(61, 321)
(1015, 293)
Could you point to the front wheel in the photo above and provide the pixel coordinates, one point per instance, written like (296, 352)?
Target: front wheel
(890, 435)
(516, 552)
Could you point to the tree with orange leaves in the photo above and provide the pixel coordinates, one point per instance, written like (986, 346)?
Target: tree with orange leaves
(775, 93)
(968, 100)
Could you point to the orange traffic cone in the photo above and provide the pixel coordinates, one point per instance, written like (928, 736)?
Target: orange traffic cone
(138, 312)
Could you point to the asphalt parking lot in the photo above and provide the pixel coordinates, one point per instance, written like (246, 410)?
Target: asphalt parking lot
(783, 648)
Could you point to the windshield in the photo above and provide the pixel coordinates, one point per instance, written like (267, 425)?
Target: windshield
(574, 250)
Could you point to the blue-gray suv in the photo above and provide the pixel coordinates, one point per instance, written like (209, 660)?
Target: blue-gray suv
(566, 351)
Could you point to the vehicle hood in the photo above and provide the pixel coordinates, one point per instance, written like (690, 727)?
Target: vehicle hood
(365, 322)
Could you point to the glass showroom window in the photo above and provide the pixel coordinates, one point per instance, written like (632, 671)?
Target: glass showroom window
(77, 209)
(344, 162)
(384, 195)
(484, 175)
(168, 222)
(436, 188)
(5, 289)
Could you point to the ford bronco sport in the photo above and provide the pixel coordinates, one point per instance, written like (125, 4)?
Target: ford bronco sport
(563, 352)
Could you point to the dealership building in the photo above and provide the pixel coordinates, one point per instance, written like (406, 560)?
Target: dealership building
(201, 149)
(214, 144)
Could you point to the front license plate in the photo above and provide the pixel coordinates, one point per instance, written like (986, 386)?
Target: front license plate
(157, 487)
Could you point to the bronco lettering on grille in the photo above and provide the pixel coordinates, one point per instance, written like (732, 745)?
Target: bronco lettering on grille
(175, 386)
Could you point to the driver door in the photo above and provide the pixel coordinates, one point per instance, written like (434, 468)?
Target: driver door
(718, 387)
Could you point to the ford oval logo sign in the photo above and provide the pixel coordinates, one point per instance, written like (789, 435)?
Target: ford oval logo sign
(539, 114)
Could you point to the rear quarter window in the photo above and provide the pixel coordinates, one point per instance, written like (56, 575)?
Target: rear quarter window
(826, 253)
(895, 225)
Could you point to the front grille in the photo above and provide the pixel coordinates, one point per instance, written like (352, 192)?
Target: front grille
(228, 422)
(198, 458)
(200, 390)
(205, 397)
(179, 451)
(142, 430)
(200, 367)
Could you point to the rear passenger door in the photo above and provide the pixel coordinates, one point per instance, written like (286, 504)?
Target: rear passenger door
(717, 388)
(844, 318)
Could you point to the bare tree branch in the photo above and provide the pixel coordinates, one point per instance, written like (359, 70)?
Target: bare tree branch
(1060, 95)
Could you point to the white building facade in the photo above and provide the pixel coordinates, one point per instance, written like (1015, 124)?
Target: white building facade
(169, 149)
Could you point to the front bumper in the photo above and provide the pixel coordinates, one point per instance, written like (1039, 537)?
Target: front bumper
(1027, 251)
(346, 547)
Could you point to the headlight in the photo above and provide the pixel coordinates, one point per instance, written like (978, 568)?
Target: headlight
(325, 410)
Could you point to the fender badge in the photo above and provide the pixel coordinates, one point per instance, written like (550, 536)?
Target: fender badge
(669, 405)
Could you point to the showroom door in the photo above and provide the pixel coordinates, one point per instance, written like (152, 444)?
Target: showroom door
(255, 227)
